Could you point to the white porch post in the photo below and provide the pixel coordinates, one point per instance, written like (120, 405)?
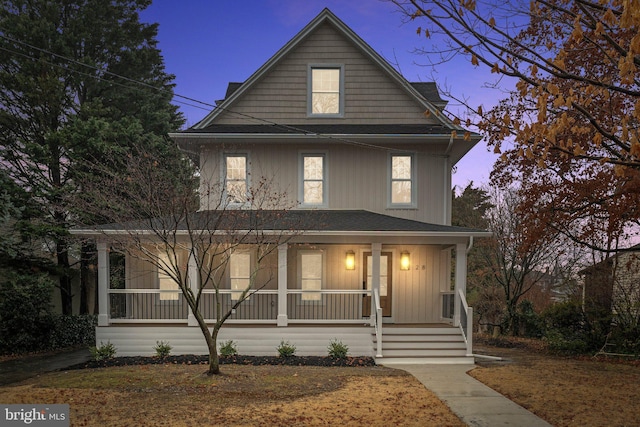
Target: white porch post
(192, 277)
(282, 285)
(376, 248)
(103, 284)
(461, 280)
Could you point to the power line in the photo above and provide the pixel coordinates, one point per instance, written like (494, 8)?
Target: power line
(174, 94)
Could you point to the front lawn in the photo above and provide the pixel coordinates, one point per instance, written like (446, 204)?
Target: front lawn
(182, 395)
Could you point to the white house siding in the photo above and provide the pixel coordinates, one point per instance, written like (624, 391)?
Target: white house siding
(417, 291)
(358, 178)
(370, 95)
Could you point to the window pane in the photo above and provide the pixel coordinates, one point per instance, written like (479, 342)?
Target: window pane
(325, 91)
(311, 272)
(401, 167)
(383, 274)
(313, 192)
(401, 192)
(237, 191)
(165, 282)
(236, 167)
(239, 273)
(313, 167)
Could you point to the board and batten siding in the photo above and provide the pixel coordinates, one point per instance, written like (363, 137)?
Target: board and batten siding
(371, 96)
(357, 178)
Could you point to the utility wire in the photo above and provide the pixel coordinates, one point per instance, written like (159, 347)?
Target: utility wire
(247, 117)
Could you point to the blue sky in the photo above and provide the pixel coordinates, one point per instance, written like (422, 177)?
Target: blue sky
(208, 43)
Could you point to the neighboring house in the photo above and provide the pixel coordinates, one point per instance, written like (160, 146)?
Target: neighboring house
(613, 285)
(355, 144)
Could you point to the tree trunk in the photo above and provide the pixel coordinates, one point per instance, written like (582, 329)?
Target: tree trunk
(66, 297)
(87, 282)
(214, 361)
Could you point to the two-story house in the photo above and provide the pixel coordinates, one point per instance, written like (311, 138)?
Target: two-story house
(338, 129)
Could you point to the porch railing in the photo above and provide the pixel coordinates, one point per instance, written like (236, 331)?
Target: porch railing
(303, 306)
(466, 322)
(378, 324)
(448, 304)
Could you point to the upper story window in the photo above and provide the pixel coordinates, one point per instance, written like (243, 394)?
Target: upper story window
(236, 178)
(402, 184)
(313, 185)
(326, 90)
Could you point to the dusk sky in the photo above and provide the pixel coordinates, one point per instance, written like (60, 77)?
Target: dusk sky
(209, 43)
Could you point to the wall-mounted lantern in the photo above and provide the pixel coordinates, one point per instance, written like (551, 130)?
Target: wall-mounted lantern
(405, 260)
(350, 260)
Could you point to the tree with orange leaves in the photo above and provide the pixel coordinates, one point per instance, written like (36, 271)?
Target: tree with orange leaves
(570, 130)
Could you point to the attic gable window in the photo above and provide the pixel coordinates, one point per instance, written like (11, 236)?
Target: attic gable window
(326, 91)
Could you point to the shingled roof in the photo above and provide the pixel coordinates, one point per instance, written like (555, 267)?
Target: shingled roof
(361, 221)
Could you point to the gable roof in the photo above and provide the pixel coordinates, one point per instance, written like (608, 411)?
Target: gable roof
(326, 16)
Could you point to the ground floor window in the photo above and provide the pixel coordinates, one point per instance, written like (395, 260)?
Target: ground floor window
(311, 274)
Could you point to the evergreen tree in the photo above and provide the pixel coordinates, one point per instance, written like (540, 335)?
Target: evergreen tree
(64, 104)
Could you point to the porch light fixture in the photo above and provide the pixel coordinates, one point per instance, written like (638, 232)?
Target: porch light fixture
(350, 260)
(405, 261)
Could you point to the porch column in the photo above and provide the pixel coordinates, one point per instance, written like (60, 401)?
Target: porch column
(461, 280)
(103, 284)
(282, 285)
(192, 278)
(376, 248)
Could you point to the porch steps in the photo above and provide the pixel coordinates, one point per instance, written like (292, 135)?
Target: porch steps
(422, 345)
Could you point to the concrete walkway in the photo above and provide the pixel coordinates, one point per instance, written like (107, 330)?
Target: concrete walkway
(473, 402)
(21, 369)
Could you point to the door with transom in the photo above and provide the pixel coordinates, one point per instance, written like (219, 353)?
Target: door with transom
(385, 282)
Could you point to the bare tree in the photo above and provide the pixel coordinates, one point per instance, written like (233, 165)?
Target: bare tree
(154, 218)
(516, 258)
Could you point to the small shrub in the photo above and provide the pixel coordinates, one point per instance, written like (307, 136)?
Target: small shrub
(286, 349)
(228, 348)
(104, 351)
(337, 349)
(163, 349)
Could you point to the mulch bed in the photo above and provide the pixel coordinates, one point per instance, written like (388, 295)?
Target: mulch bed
(192, 359)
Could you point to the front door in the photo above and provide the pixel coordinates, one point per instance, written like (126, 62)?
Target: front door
(385, 283)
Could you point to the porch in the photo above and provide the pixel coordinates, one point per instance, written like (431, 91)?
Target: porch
(134, 316)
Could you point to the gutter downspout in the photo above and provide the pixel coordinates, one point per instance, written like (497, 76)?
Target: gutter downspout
(470, 245)
(447, 182)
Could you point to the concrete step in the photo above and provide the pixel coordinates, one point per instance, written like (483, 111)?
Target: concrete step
(445, 330)
(423, 345)
(420, 338)
(390, 361)
(444, 352)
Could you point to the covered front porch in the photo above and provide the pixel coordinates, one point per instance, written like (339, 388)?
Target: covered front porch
(365, 289)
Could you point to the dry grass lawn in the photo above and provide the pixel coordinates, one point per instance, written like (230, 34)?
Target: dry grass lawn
(566, 391)
(180, 395)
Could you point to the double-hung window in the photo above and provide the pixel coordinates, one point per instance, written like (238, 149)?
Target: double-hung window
(326, 90)
(165, 281)
(311, 274)
(402, 188)
(313, 186)
(239, 273)
(236, 178)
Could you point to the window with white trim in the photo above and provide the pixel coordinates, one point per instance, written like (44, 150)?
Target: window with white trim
(402, 184)
(313, 185)
(311, 274)
(236, 178)
(165, 281)
(326, 94)
(239, 273)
